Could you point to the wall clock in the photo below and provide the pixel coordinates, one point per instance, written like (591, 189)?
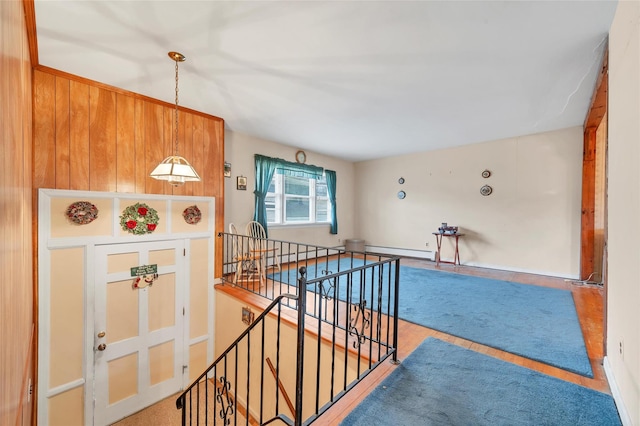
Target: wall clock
(301, 157)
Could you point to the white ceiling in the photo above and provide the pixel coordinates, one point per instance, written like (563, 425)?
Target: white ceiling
(353, 79)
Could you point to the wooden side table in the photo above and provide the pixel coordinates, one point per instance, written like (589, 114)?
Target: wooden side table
(456, 256)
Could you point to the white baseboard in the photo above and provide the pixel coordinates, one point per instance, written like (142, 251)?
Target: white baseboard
(420, 254)
(615, 392)
(523, 270)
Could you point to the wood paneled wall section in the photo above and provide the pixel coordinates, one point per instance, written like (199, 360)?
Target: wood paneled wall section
(92, 137)
(16, 265)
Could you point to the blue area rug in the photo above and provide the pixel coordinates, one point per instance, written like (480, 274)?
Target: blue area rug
(535, 322)
(443, 384)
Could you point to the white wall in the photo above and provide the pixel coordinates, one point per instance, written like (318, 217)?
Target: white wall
(531, 221)
(239, 205)
(623, 296)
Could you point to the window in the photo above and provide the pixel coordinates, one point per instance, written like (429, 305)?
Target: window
(297, 200)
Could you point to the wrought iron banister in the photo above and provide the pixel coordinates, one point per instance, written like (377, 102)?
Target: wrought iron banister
(346, 325)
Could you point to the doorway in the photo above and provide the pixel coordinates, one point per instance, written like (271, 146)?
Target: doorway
(140, 341)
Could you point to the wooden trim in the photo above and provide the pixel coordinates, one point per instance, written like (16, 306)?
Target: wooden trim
(285, 395)
(118, 90)
(32, 32)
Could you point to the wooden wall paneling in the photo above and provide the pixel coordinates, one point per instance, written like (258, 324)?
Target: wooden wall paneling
(219, 173)
(78, 135)
(142, 169)
(183, 148)
(218, 160)
(209, 151)
(197, 160)
(26, 282)
(213, 177)
(16, 278)
(125, 144)
(102, 140)
(167, 143)
(62, 133)
(44, 130)
(187, 143)
(11, 352)
(153, 144)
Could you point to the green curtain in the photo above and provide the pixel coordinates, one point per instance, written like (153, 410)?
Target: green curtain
(265, 168)
(330, 176)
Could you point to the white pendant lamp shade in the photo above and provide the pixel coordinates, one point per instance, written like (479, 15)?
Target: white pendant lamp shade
(175, 169)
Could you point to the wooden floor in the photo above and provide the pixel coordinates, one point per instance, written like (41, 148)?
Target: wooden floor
(589, 306)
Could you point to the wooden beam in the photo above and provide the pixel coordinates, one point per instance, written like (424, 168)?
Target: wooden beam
(588, 203)
(598, 107)
(597, 112)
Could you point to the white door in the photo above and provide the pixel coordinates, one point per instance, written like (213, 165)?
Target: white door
(139, 344)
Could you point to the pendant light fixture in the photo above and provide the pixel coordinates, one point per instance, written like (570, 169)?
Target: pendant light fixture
(175, 169)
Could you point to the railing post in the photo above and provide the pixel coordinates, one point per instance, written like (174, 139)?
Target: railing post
(395, 312)
(302, 309)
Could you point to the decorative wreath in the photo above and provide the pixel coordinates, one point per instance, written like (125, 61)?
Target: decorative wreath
(82, 212)
(192, 215)
(139, 219)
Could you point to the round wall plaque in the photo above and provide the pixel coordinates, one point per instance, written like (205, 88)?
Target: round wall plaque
(486, 190)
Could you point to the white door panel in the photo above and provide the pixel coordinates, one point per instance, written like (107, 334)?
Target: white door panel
(139, 358)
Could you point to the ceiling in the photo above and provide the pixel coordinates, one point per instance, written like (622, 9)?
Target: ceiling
(357, 80)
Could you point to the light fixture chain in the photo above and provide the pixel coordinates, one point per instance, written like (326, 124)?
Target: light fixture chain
(175, 169)
(176, 112)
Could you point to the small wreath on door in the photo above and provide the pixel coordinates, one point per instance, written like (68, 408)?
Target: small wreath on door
(192, 215)
(139, 219)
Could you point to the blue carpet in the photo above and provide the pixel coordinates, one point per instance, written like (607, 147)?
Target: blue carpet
(443, 384)
(535, 322)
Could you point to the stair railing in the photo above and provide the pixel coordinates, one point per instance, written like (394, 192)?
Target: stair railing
(336, 332)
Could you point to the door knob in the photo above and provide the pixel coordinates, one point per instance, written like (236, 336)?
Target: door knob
(102, 347)
(101, 334)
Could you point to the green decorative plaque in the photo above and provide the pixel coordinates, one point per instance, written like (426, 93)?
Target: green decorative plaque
(138, 271)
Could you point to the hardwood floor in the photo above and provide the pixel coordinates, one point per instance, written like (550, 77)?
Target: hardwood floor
(589, 305)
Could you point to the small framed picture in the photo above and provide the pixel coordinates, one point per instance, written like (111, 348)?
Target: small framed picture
(247, 316)
(241, 183)
(227, 169)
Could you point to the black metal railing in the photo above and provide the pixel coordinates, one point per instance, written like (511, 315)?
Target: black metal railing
(335, 333)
